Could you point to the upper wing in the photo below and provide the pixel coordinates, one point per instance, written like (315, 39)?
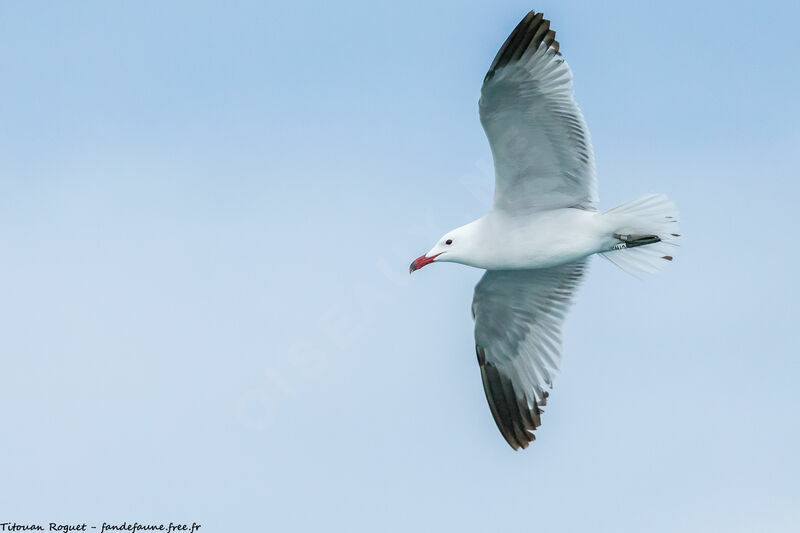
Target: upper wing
(518, 319)
(543, 157)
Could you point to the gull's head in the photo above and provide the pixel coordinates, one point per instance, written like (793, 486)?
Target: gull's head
(452, 247)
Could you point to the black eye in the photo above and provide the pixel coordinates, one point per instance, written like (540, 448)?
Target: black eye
(449, 241)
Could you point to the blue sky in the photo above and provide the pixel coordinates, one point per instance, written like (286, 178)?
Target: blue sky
(206, 218)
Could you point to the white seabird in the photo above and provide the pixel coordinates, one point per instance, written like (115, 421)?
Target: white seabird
(543, 226)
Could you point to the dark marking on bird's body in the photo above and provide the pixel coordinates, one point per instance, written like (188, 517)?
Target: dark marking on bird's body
(632, 241)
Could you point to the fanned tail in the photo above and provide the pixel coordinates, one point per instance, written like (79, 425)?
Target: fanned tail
(646, 230)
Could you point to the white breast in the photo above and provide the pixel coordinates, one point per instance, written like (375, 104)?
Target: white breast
(538, 240)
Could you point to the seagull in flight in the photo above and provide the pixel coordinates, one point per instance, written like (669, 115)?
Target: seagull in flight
(543, 226)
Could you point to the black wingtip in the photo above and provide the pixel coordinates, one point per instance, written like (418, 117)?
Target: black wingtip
(531, 32)
(510, 410)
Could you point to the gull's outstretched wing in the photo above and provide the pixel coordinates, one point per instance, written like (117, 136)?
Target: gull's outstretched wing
(543, 156)
(518, 319)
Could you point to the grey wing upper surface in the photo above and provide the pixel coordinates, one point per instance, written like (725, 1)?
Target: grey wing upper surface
(542, 150)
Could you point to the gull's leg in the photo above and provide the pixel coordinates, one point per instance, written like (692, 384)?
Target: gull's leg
(632, 241)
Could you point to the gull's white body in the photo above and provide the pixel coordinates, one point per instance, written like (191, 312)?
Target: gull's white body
(543, 226)
(541, 239)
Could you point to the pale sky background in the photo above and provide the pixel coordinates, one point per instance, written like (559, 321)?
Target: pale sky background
(207, 212)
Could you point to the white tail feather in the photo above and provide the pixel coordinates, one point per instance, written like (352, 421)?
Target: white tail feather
(652, 214)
